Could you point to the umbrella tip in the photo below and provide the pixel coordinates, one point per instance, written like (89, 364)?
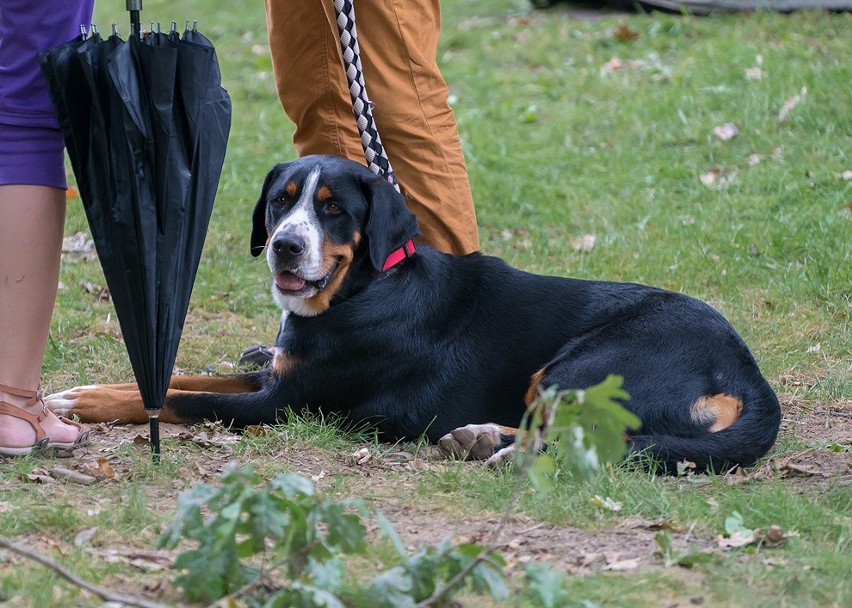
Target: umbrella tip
(154, 425)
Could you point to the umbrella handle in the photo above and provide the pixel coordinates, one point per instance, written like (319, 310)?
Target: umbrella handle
(134, 6)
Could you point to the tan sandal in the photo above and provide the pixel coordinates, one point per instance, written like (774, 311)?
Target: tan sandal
(42, 441)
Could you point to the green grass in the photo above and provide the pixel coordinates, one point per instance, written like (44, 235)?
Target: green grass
(557, 147)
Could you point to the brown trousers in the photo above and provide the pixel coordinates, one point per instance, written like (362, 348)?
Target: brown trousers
(399, 44)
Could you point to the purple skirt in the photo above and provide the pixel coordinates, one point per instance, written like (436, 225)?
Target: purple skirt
(32, 155)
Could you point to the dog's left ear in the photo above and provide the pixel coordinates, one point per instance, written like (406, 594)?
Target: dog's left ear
(258, 217)
(389, 222)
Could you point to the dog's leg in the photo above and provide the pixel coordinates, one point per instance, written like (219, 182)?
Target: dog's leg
(122, 403)
(243, 383)
(102, 404)
(490, 442)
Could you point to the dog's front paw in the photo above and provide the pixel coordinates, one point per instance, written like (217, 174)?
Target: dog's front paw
(98, 403)
(474, 441)
(63, 402)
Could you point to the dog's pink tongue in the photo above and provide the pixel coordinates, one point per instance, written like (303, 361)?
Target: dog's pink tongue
(289, 281)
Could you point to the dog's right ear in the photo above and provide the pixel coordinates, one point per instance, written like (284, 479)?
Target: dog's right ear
(258, 218)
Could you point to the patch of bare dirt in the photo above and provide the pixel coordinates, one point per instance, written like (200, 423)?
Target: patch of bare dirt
(523, 540)
(826, 430)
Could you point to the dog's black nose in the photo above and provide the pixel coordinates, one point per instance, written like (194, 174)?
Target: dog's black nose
(288, 245)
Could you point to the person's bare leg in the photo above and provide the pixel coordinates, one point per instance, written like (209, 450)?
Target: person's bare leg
(32, 219)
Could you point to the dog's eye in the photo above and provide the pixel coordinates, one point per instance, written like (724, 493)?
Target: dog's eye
(279, 200)
(333, 208)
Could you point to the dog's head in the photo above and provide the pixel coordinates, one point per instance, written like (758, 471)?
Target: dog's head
(320, 216)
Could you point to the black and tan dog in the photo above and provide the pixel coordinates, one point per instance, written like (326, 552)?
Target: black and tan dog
(454, 347)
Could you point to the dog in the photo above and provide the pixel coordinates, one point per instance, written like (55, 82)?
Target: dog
(416, 342)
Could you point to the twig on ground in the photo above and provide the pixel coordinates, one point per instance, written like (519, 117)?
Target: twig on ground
(832, 412)
(101, 592)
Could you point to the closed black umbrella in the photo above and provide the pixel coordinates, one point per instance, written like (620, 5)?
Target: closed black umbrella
(146, 124)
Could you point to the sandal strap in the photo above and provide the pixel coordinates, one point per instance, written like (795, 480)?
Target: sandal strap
(19, 392)
(33, 419)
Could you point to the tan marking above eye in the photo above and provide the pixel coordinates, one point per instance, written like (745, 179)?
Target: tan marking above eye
(720, 411)
(291, 188)
(324, 193)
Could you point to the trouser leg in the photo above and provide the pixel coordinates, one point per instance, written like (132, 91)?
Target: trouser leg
(399, 41)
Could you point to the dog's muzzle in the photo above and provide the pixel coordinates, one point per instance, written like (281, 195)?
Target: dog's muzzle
(291, 283)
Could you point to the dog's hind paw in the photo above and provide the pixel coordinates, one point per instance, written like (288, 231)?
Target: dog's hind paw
(474, 442)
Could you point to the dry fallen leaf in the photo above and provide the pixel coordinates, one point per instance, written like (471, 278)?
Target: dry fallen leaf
(257, 430)
(102, 469)
(754, 73)
(717, 178)
(38, 475)
(787, 468)
(78, 243)
(100, 292)
(583, 243)
(726, 131)
(361, 456)
(625, 34)
(85, 536)
(740, 538)
(79, 247)
(791, 103)
(616, 64)
(590, 558)
(773, 537)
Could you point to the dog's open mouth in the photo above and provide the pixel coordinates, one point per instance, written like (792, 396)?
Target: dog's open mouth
(290, 283)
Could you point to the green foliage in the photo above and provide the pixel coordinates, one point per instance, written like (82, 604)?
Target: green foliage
(583, 429)
(305, 537)
(307, 533)
(420, 575)
(734, 524)
(545, 588)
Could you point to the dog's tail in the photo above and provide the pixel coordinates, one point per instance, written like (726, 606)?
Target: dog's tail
(741, 444)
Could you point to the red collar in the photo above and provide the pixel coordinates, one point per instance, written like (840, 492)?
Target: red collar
(406, 251)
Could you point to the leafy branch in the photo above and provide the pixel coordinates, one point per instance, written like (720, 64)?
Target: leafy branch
(308, 536)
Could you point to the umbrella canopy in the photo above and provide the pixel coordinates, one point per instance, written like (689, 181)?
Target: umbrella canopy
(146, 124)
